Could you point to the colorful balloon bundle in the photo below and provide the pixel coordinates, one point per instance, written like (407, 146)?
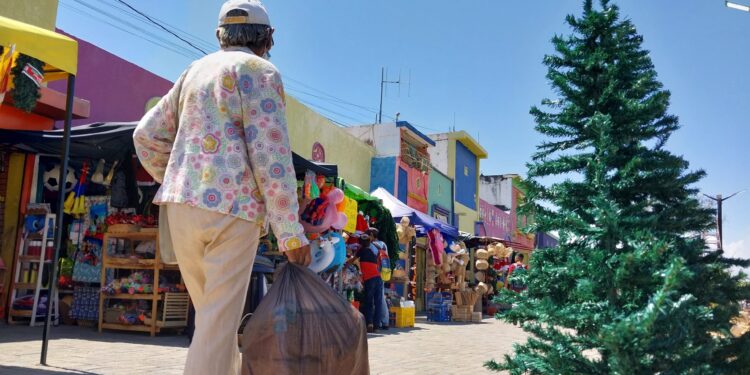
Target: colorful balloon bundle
(322, 213)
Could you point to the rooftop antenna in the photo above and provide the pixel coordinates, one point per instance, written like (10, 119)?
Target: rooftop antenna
(383, 82)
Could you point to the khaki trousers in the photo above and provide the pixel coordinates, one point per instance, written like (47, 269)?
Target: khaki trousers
(215, 253)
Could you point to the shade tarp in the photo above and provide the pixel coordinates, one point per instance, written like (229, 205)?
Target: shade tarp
(110, 141)
(58, 51)
(356, 193)
(421, 221)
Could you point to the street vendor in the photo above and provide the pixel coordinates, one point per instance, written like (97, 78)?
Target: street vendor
(218, 144)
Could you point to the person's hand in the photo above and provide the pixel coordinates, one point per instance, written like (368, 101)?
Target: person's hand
(299, 256)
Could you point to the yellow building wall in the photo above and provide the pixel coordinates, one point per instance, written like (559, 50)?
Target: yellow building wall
(466, 217)
(42, 13)
(352, 156)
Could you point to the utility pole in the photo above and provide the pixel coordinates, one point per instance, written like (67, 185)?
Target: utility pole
(719, 225)
(383, 82)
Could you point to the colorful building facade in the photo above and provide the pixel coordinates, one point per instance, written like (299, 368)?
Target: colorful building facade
(316, 138)
(458, 156)
(440, 196)
(402, 161)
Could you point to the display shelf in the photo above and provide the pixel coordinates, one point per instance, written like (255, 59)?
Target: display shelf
(136, 236)
(24, 286)
(127, 327)
(31, 259)
(155, 265)
(24, 313)
(136, 296)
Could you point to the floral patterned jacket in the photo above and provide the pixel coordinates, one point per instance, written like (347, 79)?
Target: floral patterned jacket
(218, 141)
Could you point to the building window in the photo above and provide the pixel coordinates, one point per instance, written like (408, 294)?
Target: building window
(466, 170)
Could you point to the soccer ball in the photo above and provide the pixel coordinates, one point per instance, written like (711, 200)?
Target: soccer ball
(52, 175)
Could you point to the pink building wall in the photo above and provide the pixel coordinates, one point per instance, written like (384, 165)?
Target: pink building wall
(117, 89)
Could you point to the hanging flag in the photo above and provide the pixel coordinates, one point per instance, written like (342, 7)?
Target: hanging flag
(34, 74)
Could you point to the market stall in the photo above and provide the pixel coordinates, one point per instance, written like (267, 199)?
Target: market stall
(48, 56)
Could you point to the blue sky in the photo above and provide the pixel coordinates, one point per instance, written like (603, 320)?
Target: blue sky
(479, 62)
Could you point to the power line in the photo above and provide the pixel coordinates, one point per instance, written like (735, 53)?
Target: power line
(201, 42)
(162, 27)
(176, 49)
(172, 46)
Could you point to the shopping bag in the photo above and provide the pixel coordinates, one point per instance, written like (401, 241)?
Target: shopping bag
(303, 327)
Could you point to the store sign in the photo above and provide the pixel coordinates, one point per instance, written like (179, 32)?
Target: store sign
(497, 223)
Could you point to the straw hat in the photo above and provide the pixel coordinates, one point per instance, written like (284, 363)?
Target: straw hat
(482, 288)
(479, 276)
(482, 264)
(482, 254)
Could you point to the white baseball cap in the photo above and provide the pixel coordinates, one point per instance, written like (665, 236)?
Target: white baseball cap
(256, 13)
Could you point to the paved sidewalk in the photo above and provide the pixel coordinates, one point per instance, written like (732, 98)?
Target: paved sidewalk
(428, 348)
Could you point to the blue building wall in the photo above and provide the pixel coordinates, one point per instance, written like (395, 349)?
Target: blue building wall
(466, 179)
(383, 173)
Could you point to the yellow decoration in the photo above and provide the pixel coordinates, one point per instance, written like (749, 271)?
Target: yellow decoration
(350, 210)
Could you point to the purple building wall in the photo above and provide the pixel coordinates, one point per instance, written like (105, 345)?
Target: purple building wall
(117, 89)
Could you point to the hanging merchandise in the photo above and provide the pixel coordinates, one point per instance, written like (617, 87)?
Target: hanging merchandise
(482, 254)
(482, 264)
(350, 210)
(98, 176)
(437, 245)
(74, 203)
(108, 180)
(6, 65)
(51, 178)
(322, 253)
(339, 247)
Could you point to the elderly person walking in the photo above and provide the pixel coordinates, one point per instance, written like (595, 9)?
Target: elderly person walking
(218, 144)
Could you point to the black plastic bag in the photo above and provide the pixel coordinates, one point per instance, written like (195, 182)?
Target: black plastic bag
(303, 327)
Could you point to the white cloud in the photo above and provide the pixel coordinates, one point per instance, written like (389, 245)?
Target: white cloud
(739, 249)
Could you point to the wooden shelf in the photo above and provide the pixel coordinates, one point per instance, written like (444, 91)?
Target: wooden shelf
(25, 286)
(133, 296)
(126, 327)
(127, 263)
(24, 313)
(138, 264)
(39, 236)
(133, 235)
(31, 259)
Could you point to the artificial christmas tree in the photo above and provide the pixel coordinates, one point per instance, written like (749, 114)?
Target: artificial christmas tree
(631, 289)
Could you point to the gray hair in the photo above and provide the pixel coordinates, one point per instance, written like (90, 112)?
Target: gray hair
(243, 35)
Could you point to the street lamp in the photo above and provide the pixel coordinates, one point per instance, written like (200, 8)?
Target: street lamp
(744, 8)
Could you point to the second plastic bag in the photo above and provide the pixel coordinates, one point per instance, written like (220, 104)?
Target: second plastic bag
(303, 327)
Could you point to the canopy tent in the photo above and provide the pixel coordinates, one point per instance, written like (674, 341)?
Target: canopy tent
(60, 55)
(57, 51)
(109, 140)
(421, 221)
(356, 193)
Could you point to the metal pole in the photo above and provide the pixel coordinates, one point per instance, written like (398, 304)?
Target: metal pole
(64, 156)
(719, 228)
(382, 83)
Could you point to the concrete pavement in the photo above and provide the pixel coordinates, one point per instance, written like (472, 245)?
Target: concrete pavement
(428, 348)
